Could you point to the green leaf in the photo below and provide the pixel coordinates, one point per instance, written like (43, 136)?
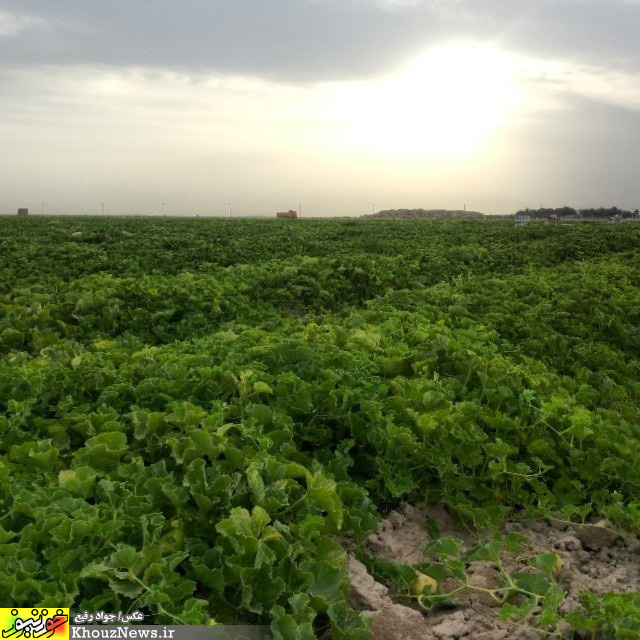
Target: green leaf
(322, 496)
(125, 588)
(549, 616)
(260, 588)
(546, 562)
(329, 584)
(347, 624)
(256, 486)
(488, 552)
(520, 612)
(532, 583)
(103, 452)
(445, 548)
(79, 481)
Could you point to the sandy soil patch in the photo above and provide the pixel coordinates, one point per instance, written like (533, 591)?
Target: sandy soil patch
(593, 558)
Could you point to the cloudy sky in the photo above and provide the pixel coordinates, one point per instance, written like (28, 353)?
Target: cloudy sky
(339, 105)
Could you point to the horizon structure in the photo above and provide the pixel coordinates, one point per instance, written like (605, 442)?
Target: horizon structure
(409, 103)
(262, 212)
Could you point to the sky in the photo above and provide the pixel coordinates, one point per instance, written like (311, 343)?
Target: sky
(340, 107)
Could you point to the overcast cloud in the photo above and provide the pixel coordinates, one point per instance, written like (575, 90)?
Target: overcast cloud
(307, 40)
(202, 102)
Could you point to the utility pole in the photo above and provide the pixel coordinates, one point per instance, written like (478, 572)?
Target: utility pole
(103, 208)
(229, 208)
(43, 207)
(163, 210)
(300, 210)
(465, 207)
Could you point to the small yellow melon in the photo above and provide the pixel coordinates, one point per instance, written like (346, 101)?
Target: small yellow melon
(420, 582)
(558, 565)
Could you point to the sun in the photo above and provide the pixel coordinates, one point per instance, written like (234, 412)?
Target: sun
(446, 102)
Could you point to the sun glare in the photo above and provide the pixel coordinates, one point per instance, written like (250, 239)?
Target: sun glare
(447, 102)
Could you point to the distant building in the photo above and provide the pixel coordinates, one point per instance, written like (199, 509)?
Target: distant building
(291, 214)
(523, 219)
(553, 221)
(617, 219)
(23, 212)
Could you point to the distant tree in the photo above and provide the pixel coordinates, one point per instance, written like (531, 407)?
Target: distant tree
(544, 212)
(603, 212)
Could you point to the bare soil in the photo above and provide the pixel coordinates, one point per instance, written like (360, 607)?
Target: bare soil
(593, 558)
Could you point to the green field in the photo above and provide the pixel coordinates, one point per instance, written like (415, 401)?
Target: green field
(199, 418)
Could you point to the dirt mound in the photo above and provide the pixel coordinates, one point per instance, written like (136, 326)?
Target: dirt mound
(593, 558)
(424, 214)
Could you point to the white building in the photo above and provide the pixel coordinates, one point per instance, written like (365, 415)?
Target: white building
(523, 219)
